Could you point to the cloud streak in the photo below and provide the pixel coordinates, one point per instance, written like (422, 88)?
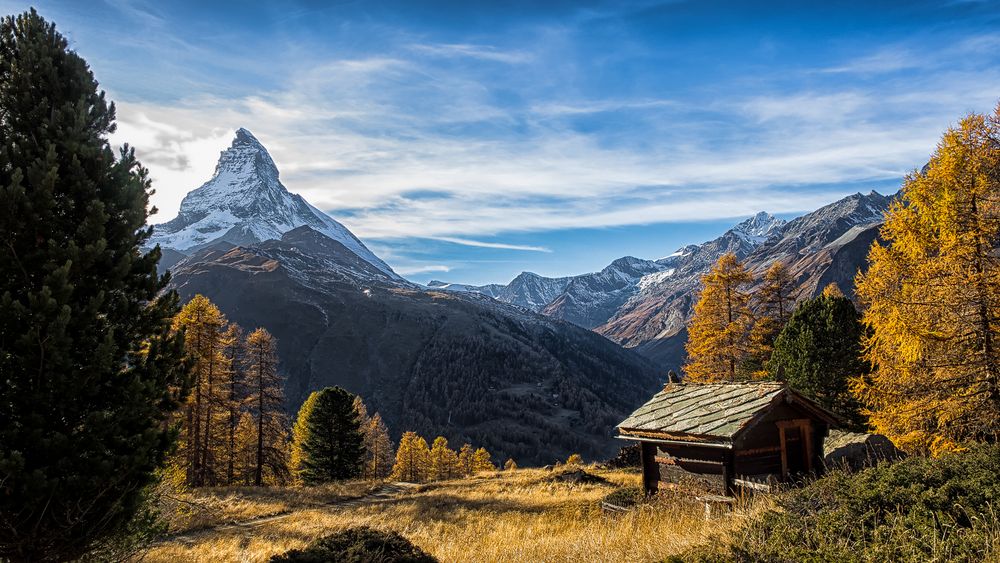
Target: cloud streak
(497, 245)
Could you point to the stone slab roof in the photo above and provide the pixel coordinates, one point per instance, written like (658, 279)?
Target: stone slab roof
(709, 412)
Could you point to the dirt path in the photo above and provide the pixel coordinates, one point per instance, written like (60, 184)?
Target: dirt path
(386, 492)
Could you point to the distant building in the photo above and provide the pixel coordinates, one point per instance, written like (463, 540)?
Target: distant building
(720, 437)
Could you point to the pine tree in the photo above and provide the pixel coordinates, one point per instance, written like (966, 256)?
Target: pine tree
(932, 297)
(90, 369)
(719, 346)
(481, 461)
(378, 449)
(266, 405)
(412, 459)
(819, 352)
(773, 305)
(443, 460)
(332, 445)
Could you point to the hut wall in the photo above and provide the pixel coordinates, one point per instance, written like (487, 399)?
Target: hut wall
(758, 451)
(692, 467)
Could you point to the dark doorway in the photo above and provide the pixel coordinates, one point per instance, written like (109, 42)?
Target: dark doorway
(796, 447)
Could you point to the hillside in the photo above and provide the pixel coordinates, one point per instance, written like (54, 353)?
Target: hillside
(436, 362)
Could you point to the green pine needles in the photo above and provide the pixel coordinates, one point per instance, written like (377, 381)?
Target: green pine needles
(89, 369)
(819, 352)
(328, 439)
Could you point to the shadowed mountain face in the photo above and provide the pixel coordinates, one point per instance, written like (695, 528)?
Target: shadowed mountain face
(437, 362)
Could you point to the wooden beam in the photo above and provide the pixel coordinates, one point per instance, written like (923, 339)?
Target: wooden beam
(650, 468)
(784, 452)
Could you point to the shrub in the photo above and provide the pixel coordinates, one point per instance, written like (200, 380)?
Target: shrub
(358, 545)
(574, 459)
(918, 509)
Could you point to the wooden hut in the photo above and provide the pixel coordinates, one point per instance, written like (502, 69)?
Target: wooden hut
(719, 437)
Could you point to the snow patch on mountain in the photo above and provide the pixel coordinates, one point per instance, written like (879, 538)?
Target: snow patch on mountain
(759, 229)
(245, 203)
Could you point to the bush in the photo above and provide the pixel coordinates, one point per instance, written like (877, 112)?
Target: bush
(358, 545)
(918, 509)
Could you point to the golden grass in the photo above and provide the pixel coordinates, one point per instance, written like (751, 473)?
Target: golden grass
(212, 506)
(506, 516)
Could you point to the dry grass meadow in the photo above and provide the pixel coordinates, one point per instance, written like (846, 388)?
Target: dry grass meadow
(521, 515)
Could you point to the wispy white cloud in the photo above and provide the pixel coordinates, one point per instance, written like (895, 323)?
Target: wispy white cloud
(358, 136)
(498, 245)
(409, 270)
(467, 50)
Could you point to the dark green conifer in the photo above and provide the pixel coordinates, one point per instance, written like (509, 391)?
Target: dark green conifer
(330, 448)
(88, 365)
(819, 351)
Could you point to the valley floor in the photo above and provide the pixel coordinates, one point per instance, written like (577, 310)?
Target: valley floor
(522, 515)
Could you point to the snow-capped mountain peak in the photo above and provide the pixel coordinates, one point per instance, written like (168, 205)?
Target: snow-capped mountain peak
(760, 227)
(245, 203)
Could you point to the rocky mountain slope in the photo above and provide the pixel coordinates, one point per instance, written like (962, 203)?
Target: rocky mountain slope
(591, 300)
(645, 305)
(243, 203)
(459, 364)
(827, 245)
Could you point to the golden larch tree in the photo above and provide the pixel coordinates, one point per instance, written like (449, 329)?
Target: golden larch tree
(719, 346)
(299, 432)
(266, 405)
(466, 460)
(932, 299)
(444, 460)
(202, 441)
(481, 461)
(773, 303)
(412, 459)
(378, 448)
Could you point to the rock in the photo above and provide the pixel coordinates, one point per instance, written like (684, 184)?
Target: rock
(856, 450)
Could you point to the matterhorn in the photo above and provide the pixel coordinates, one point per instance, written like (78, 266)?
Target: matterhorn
(245, 203)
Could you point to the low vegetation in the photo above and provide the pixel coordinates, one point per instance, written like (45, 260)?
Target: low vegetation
(520, 515)
(918, 509)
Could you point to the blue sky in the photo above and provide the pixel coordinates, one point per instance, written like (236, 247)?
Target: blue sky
(468, 141)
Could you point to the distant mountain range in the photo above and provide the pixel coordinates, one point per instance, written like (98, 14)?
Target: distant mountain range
(645, 305)
(459, 364)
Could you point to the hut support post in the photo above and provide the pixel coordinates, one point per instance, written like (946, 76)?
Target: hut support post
(650, 468)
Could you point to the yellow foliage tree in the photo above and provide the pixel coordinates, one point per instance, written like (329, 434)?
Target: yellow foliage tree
(412, 459)
(466, 460)
(266, 403)
(378, 448)
(774, 302)
(203, 441)
(719, 346)
(932, 297)
(299, 432)
(481, 461)
(444, 460)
